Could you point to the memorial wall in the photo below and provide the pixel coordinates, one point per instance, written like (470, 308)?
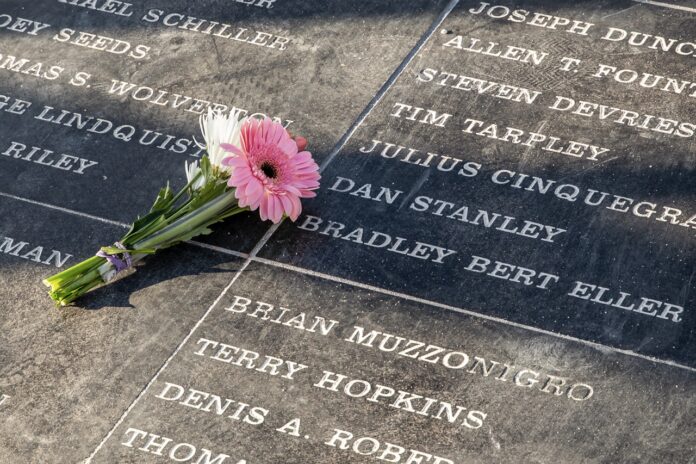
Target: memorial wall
(498, 267)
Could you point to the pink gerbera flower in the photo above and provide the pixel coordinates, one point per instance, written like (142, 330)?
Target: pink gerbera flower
(270, 172)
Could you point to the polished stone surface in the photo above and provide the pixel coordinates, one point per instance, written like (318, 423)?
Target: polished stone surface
(69, 138)
(638, 411)
(622, 220)
(70, 372)
(328, 61)
(476, 348)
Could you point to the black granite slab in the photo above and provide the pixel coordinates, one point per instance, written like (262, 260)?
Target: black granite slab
(313, 64)
(599, 246)
(67, 374)
(625, 409)
(506, 365)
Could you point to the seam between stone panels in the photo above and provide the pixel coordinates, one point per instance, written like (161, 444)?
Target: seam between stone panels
(271, 230)
(368, 109)
(164, 366)
(252, 257)
(64, 210)
(207, 246)
(667, 5)
(142, 392)
(337, 148)
(389, 83)
(219, 249)
(467, 312)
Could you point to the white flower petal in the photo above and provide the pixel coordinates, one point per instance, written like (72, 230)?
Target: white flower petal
(218, 128)
(192, 171)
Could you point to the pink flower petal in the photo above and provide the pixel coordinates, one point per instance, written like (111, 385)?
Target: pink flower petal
(296, 208)
(231, 148)
(276, 213)
(263, 208)
(287, 204)
(295, 174)
(288, 146)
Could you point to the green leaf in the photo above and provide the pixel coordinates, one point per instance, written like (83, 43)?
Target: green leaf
(164, 199)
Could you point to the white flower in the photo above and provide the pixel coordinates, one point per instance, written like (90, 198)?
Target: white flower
(192, 170)
(218, 128)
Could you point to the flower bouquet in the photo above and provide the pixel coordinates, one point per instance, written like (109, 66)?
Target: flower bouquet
(251, 164)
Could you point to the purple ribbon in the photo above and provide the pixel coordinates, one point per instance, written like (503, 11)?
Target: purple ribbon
(118, 263)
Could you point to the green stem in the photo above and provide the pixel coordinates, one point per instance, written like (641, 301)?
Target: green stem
(71, 272)
(182, 224)
(189, 222)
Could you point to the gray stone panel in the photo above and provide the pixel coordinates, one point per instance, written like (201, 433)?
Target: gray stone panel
(313, 64)
(639, 411)
(597, 245)
(70, 372)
